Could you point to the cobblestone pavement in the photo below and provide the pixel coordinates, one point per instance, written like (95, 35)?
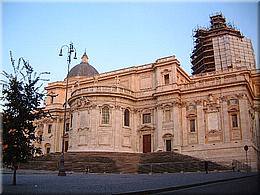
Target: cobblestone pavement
(33, 182)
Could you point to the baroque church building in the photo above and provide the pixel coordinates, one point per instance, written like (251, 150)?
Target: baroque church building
(211, 114)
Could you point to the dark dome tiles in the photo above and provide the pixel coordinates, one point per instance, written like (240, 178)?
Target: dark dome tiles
(83, 69)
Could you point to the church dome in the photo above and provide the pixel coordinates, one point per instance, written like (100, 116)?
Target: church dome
(83, 69)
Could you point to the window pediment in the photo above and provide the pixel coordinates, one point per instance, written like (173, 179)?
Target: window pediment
(165, 71)
(146, 128)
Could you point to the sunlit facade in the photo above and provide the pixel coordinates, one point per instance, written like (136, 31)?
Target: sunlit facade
(158, 107)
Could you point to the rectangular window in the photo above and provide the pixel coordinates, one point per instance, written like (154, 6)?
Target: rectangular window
(167, 115)
(105, 115)
(147, 118)
(192, 125)
(234, 120)
(48, 150)
(49, 128)
(126, 117)
(67, 127)
(166, 79)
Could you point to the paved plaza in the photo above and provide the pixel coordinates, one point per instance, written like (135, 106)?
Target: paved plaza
(43, 182)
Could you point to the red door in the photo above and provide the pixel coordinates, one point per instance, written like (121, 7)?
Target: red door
(146, 143)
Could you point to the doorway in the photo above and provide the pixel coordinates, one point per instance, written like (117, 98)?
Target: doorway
(66, 146)
(168, 145)
(146, 143)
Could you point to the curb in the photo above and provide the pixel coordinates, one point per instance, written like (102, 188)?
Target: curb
(155, 191)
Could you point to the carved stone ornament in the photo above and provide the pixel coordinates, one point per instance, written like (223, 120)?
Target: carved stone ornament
(212, 108)
(81, 102)
(212, 104)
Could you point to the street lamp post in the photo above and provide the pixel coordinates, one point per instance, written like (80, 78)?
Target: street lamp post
(71, 50)
(246, 149)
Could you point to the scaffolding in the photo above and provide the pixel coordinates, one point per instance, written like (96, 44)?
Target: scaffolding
(219, 47)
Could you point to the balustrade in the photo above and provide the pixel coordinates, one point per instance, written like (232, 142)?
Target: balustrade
(103, 89)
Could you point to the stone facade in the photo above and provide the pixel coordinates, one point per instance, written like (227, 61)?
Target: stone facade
(158, 107)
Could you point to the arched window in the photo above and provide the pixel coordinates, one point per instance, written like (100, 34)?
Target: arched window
(105, 115)
(126, 117)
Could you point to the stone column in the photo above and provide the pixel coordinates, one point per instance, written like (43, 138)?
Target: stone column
(158, 134)
(244, 119)
(184, 126)
(59, 129)
(257, 130)
(116, 127)
(174, 73)
(226, 122)
(201, 124)
(94, 124)
(176, 117)
(56, 136)
(134, 122)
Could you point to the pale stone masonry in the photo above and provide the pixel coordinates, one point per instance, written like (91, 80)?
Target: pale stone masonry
(159, 107)
(232, 51)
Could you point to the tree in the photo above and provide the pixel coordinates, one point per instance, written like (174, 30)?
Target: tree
(21, 107)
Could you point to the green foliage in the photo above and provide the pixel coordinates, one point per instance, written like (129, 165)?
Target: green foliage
(22, 106)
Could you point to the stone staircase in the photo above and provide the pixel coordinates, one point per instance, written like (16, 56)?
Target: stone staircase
(45, 162)
(172, 162)
(115, 162)
(101, 162)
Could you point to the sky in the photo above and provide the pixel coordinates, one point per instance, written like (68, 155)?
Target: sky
(115, 34)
